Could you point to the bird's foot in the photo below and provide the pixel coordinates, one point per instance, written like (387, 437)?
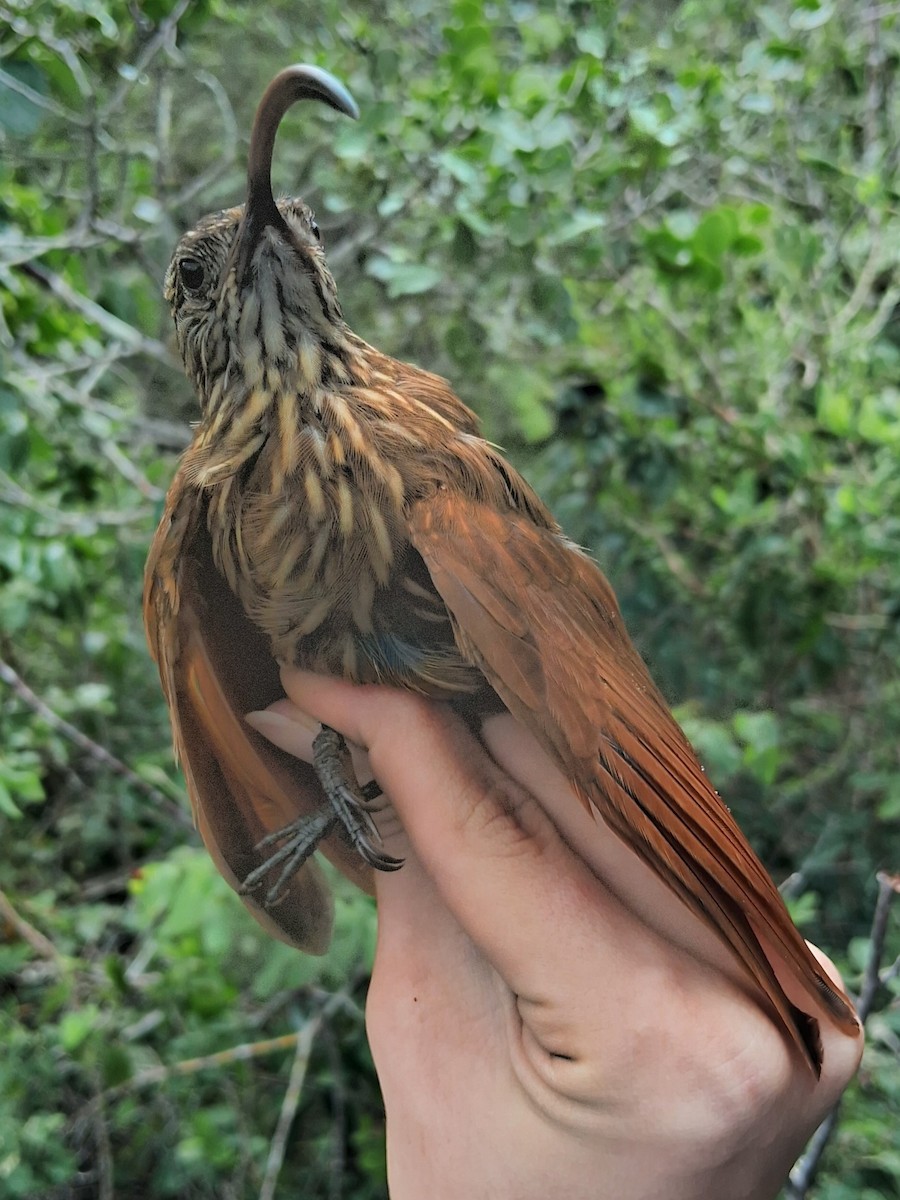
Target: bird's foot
(300, 839)
(347, 801)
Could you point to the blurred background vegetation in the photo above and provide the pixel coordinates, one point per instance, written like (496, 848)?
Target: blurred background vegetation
(655, 245)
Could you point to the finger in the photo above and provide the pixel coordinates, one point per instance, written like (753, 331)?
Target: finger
(842, 1054)
(640, 889)
(422, 963)
(827, 966)
(608, 858)
(497, 861)
(293, 730)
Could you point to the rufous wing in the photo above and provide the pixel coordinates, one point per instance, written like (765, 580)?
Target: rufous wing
(542, 623)
(215, 666)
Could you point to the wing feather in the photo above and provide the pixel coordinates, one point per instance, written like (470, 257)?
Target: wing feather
(542, 623)
(215, 666)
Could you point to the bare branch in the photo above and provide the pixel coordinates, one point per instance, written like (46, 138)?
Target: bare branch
(15, 496)
(805, 1171)
(114, 326)
(862, 290)
(289, 1104)
(129, 471)
(31, 376)
(231, 140)
(105, 1168)
(15, 248)
(39, 943)
(164, 36)
(888, 888)
(93, 749)
(152, 1076)
(890, 972)
(878, 12)
(698, 352)
(38, 100)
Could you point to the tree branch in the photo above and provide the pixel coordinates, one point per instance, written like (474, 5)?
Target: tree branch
(40, 944)
(91, 311)
(93, 749)
(277, 1146)
(804, 1173)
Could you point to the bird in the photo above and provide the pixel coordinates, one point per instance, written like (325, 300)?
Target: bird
(339, 510)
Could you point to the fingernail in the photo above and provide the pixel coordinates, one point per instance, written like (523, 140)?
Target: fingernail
(279, 730)
(282, 716)
(266, 723)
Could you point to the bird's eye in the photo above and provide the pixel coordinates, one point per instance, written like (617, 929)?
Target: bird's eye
(192, 274)
(316, 231)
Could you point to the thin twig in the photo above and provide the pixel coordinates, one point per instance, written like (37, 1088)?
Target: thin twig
(148, 51)
(804, 1173)
(277, 1146)
(93, 749)
(246, 1051)
(890, 972)
(301, 1042)
(675, 562)
(879, 12)
(864, 283)
(47, 378)
(106, 1188)
(883, 313)
(129, 471)
(338, 1164)
(14, 495)
(38, 100)
(855, 622)
(874, 98)
(888, 888)
(723, 408)
(15, 248)
(796, 881)
(110, 324)
(39, 943)
(230, 141)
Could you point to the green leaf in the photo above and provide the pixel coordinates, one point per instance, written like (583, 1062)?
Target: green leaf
(551, 299)
(76, 1027)
(807, 17)
(758, 730)
(889, 806)
(715, 746)
(19, 115)
(592, 42)
(879, 418)
(834, 410)
(404, 279)
(7, 804)
(804, 909)
(20, 780)
(761, 734)
(715, 233)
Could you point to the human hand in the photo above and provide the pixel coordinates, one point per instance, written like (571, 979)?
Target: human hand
(545, 1017)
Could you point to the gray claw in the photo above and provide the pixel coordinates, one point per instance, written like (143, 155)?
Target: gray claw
(346, 805)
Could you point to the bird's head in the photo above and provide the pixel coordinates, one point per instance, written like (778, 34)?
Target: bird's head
(251, 296)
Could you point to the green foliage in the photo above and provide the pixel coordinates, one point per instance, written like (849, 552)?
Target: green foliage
(655, 247)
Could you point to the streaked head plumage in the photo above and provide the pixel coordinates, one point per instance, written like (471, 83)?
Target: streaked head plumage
(249, 285)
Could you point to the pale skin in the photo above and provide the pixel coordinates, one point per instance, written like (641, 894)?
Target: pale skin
(545, 1017)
